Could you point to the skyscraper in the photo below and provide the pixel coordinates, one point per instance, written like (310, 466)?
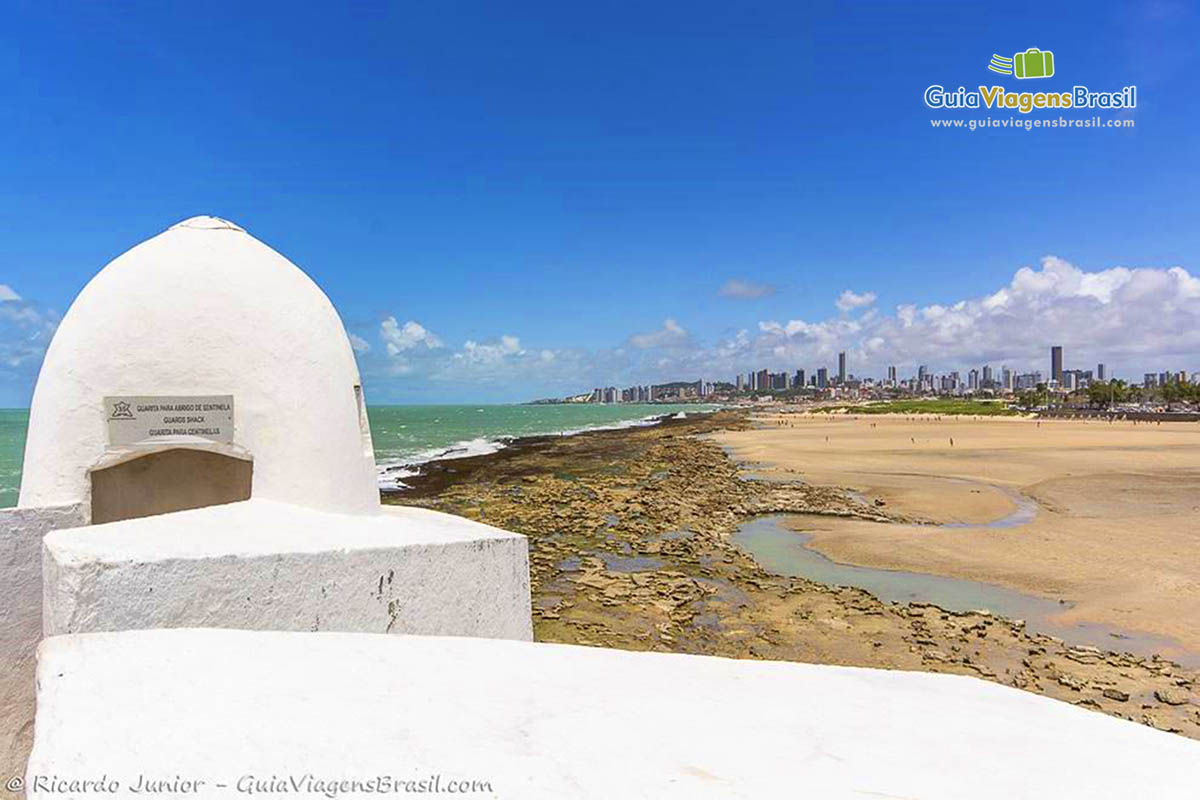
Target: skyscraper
(822, 378)
(1101, 375)
(842, 367)
(1056, 364)
(892, 375)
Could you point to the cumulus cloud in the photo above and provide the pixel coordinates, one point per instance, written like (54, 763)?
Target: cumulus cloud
(848, 301)
(671, 334)
(490, 352)
(411, 335)
(745, 290)
(1134, 319)
(1119, 315)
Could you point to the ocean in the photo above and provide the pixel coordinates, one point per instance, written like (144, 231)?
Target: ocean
(407, 436)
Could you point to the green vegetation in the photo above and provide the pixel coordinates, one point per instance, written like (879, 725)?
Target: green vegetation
(946, 406)
(1102, 394)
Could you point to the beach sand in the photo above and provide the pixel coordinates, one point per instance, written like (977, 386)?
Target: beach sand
(1117, 526)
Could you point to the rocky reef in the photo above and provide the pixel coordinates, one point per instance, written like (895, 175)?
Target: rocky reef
(630, 547)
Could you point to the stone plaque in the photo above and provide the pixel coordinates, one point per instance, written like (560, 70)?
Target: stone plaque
(151, 420)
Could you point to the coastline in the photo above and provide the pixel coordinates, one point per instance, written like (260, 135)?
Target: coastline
(395, 470)
(430, 476)
(631, 546)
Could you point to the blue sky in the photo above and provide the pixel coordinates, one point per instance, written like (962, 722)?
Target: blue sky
(530, 199)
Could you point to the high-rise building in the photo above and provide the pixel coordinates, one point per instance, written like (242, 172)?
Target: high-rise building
(1006, 379)
(762, 380)
(739, 382)
(1056, 364)
(892, 376)
(987, 380)
(822, 378)
(973, 379)
(842, 367)
(798, 380)
(1101, 375)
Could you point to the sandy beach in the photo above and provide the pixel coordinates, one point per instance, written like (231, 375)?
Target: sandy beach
(1115, 533)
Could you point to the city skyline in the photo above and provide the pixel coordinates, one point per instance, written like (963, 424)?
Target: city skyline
(985, 378)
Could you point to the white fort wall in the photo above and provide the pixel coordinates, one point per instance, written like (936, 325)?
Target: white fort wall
(262, 565)
(557, 721)
(21, 532)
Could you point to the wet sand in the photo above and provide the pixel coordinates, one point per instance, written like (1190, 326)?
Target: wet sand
(1116, 533)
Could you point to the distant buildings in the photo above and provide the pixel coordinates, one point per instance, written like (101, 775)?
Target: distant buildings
(1028, 380)
(984, 380)
(1056, 364)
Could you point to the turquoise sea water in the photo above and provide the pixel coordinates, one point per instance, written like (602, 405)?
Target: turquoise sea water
(13, 422)
(406, 436)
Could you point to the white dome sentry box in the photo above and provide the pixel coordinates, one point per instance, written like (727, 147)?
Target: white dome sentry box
(199, 455)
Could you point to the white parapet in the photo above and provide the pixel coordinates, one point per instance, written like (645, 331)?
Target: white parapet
(264, 565)
(229, 714)
(21, 532)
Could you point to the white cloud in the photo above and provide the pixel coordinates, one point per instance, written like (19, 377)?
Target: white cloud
(491, 353)
(735, 287)
(671, 334)
(359, 344)
(7, 294)
(1135, 319)
(400, 338)
(849, 301)
(1127, 315)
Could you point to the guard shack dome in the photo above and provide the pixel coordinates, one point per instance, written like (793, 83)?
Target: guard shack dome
(201, 367)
